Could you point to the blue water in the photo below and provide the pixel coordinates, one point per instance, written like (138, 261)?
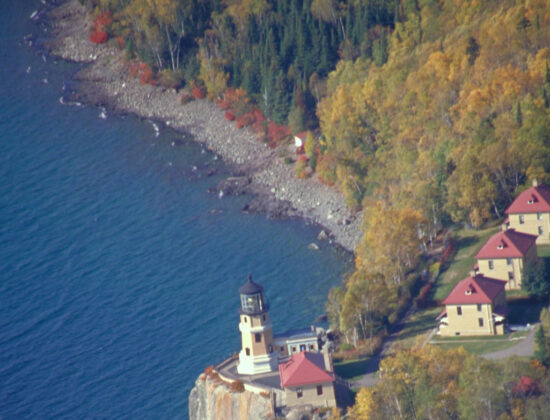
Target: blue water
(118, 271)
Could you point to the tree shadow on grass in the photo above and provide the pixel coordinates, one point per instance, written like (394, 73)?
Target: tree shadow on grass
(523, 311)
(348, 370)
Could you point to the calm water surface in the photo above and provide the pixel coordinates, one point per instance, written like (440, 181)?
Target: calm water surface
(119, 272)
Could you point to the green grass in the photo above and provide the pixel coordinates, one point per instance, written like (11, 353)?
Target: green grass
(352, 370)
(486, 344)
(418, 325)
(468, 242)
(543, 251)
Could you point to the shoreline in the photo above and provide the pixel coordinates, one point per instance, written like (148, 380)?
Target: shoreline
(259, 170)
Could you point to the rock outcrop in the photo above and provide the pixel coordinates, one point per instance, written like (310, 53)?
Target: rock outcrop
(212, 399)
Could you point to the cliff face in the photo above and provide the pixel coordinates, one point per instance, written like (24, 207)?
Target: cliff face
(211, 399)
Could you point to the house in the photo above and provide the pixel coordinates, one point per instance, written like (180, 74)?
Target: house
(307, 379)
(505, 254)
(300, 142)
(476, 306)
(296, 341)
(530, 212)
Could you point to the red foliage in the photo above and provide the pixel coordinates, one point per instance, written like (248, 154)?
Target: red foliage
(525, 386)
(98, 37)
(103, 20)
(120, 42)
(421, 298)
(260, 121)
(245, 120)
(446, 253)
(230, 115)
(99, 34)
(198, 93)
(276, 133)
(146, 75)
(133, 68)
(223, 104)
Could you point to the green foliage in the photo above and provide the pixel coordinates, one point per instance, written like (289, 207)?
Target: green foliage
(536, 278)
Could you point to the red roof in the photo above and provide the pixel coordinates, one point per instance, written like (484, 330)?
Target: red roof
(304, 369)
(507, 244)
(533, 200)
(473, 290)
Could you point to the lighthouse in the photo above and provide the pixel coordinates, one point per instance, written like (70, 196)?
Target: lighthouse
(257, 354)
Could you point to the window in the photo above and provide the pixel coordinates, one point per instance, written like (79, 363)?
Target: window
(459, 310)
(247, 351)
(510, 275)
(480, 321)
(539, 216)
(258, 337)
(479, 307)
(319, 389)
(541, 230)
(245, 320)
(311, 347)
(508, 261)
(282, 349)
(521, 219)
(491, 264)
(302, 347)
(263, 317)
(299, 393)
(293, 349)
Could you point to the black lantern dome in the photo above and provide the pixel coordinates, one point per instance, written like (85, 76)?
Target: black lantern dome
(252, 299)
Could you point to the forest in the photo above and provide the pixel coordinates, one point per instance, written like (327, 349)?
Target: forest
(424, 113)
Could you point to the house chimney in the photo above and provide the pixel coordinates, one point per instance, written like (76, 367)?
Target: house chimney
(327, 359)
(535, 183)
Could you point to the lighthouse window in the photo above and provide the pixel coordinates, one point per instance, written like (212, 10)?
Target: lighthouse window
(258, 337)
(247, 351)
(319, 389)
(245, 320)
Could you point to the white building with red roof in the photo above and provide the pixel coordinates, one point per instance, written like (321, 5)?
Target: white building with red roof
(530, 212)
(505, 254)
(476, 306)
(308, 379)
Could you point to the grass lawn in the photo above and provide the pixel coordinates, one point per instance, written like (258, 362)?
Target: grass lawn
(484, 345)
(418, 325)
(543, 251)
(468, 242)
(352, 370)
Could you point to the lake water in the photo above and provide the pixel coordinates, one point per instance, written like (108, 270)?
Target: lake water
(119, 272)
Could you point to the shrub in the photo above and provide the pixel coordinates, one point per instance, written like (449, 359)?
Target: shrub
(198, 92)
(346, 347)
(146, 75)
(245, 120)
(170, 79)
(276, 133)
(98, 37)
(186, 97)
(236, 386)
(326, 168)
(230, 115)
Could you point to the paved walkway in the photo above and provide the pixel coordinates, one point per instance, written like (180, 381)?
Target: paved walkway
(524, 348)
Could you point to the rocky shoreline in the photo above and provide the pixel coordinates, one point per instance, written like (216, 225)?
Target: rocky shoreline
(259, 170)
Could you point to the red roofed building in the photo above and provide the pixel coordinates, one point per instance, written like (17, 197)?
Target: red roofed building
(530, 212)
(307, 379)
(476, 306)
(505, 254)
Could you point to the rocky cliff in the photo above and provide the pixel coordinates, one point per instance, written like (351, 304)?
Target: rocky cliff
(212, 399)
